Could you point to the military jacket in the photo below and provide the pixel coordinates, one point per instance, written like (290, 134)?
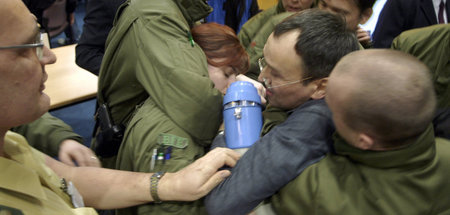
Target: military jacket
(431, 46)
(150, 53)
(47, 133)
(155, 80)
(28, 186)
(251, 28)
(411, 180)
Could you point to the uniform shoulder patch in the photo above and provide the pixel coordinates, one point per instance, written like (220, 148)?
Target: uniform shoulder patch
(172, 140)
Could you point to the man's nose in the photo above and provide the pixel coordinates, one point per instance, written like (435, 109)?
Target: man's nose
(48, 56)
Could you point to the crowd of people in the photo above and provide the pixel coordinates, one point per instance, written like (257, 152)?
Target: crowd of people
(352, 124)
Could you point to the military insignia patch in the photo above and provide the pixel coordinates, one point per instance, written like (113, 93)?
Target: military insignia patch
(173, 140)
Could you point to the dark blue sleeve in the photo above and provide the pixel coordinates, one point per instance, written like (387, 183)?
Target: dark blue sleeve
(219, 141)
(273, 161)
(398, 16)
(390, 24)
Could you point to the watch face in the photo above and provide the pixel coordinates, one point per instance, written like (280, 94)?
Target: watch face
(159, 175)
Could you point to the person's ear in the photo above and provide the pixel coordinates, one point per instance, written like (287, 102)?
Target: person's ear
(365, 142)
(365, 15)
(320, 88)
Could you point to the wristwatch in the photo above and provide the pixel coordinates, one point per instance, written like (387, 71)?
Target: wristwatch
(154, 179)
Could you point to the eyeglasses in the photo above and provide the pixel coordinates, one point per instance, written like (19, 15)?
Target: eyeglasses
(39, 44)
(262, 64)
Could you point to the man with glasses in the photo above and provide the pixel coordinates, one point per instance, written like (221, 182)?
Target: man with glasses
(33, 183)
(298, 57)
(356, 12)
(51, 135)
(387, 159)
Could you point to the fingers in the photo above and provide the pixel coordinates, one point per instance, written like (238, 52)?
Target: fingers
(66, 158)
(263, 100)
(72, 156)
(197, 179)
(362, 35)
(215, 180)
(364, 39)
(94, 162)
(85, 157)
(262, 92)
(231, 158)
(219, 157)
(71, 151)
(259, 87)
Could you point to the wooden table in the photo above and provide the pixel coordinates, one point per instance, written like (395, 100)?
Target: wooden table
(68, 83)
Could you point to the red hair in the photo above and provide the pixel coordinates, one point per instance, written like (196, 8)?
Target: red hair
(221, 46)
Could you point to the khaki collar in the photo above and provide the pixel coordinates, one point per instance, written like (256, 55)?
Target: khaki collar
(16, 176)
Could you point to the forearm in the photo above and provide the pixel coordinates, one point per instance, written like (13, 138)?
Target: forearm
(114, 189)
(249, 184)
(264, 169)
(106, 188)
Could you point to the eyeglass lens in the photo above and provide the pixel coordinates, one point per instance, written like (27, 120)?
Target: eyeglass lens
(262, 64)
(40, 49)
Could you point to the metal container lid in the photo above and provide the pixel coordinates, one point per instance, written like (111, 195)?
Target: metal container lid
(241, 91)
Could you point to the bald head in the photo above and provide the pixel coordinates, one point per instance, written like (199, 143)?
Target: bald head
(383, 93)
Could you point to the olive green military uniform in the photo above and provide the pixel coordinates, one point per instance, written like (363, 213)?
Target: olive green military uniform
(47, 133)
(28, 186)
(431, 46)
(155, 80)
(252, 27)
(411, 180)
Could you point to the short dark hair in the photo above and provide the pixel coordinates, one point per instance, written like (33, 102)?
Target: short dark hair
(364, 4)
(323, 40)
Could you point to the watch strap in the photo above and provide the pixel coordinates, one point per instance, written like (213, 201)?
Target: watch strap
(154, 180)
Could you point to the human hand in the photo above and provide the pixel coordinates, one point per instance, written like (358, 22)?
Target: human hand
(71, 150)
(363, 37)
(199, 178)
(259, 87)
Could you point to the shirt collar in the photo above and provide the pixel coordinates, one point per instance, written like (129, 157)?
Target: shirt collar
(16, 176)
